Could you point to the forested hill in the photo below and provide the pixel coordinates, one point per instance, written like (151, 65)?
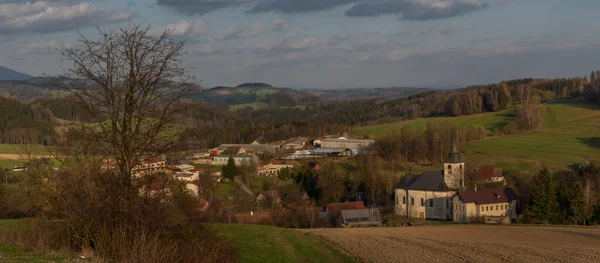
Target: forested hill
(24, 123)
(9, 74)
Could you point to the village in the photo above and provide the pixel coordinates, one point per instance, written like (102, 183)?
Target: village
(261, 168)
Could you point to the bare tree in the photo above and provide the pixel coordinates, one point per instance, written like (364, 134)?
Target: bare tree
(131, 85)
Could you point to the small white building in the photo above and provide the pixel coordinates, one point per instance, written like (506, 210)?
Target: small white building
(238, 159)
(271, 169)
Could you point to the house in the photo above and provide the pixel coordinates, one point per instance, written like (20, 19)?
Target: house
(296, 198)
(487, 175)
(356, 145)
(494, 205)
(148, 166)
(299, 154)
(294, 143)
(269, 198)
(314, 166)
(251, 148)
(185, 167)
(429, 195)
(271, 169)
(260, 140)
(238, 159)
(361, 217)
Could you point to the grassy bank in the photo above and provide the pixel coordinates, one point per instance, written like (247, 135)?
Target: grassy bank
(257, 243)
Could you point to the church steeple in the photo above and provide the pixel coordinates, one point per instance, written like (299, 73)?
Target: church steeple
(454, 169)
(454, 155)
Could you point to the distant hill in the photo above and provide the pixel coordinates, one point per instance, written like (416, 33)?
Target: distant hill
(9, 74)
(367, 93)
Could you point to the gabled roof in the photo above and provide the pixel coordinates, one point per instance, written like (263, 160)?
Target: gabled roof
(261, 140)
(343, 135)
(428, 181)
(336, 209)
(361, 215)
(487, 173)
(454, 155)
(296, 140)
(233, 150)
(488, 196)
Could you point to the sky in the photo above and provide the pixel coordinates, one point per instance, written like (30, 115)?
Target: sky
(327, 43)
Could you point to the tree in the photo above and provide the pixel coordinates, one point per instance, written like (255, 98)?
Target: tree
(543, 202)
(131, 85)
(593, 76)
(528, 117)
(229, 170)
(579, 210)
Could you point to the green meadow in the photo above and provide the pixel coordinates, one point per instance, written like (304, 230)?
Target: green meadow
(254, 105)
(570, 134)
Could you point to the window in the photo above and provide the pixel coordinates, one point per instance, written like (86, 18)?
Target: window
(422, 202)
(396, 199)
(404, 200)
(449, 169)
(486, 208)
(482, 209)
(412, 201)
(497, 207)
(431, 203)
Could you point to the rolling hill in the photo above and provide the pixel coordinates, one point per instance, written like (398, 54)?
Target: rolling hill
(569, 135)
(9, 74)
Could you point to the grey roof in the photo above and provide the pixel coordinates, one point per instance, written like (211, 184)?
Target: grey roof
(261, 140)
(361, 215)
(345, 135)
(454, 155)
(428, 181)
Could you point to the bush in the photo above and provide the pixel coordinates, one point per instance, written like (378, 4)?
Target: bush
(83, 207)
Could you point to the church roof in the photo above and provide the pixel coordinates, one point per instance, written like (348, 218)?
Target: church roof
(454, 156)
(428, 181)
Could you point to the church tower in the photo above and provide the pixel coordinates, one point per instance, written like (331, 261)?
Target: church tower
(454, 169)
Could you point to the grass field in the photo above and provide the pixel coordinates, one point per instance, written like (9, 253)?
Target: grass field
(570, 134)
(489, 121)
(467, 243)
(12, 254)
(257, 243)
(9, 164)
(254, 105)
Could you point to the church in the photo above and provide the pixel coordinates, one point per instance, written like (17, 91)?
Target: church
(429, 195)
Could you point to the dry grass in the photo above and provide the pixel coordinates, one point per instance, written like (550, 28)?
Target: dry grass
(467, 243)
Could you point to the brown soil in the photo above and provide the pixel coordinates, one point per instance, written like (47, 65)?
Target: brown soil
(12, 156)
(467, 243)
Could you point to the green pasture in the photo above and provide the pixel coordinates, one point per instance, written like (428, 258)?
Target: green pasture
(254, 105)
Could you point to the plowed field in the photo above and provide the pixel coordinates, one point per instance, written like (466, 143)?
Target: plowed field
(467, 243)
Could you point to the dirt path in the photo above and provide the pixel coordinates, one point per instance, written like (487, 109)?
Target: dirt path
(467, 243)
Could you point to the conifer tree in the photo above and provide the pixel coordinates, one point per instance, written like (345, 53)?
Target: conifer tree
(543, 202)
(229, 171)
(577, 202)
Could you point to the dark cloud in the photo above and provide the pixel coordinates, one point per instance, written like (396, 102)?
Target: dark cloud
(199, 7)
(416, 10)
(298, 6)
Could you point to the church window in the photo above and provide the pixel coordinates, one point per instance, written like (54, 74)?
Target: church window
(431, 203)
(412, 201)
(422, 202)
(449, 169)
(396, 199)
(404, 200)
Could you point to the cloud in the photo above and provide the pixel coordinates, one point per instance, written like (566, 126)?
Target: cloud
(199, 7)
(405, 9)
(183, 28)
(45, 17)
(41, 47)
(416, 9)
(257, 29)
(299, 43)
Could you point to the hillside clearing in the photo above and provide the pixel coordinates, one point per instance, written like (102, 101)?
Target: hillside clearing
(467, 243)
(258, 243)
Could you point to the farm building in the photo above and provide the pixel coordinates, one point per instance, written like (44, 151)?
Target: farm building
(271, 169)
(361, 217)
(487, 175)
(294, 143)
(238, 159)
(497, 205)
(356, 145)
(332, 152)
(251, 148)
(260, 140)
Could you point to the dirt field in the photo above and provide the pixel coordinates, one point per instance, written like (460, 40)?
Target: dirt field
(467, 243)
(11, 156)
